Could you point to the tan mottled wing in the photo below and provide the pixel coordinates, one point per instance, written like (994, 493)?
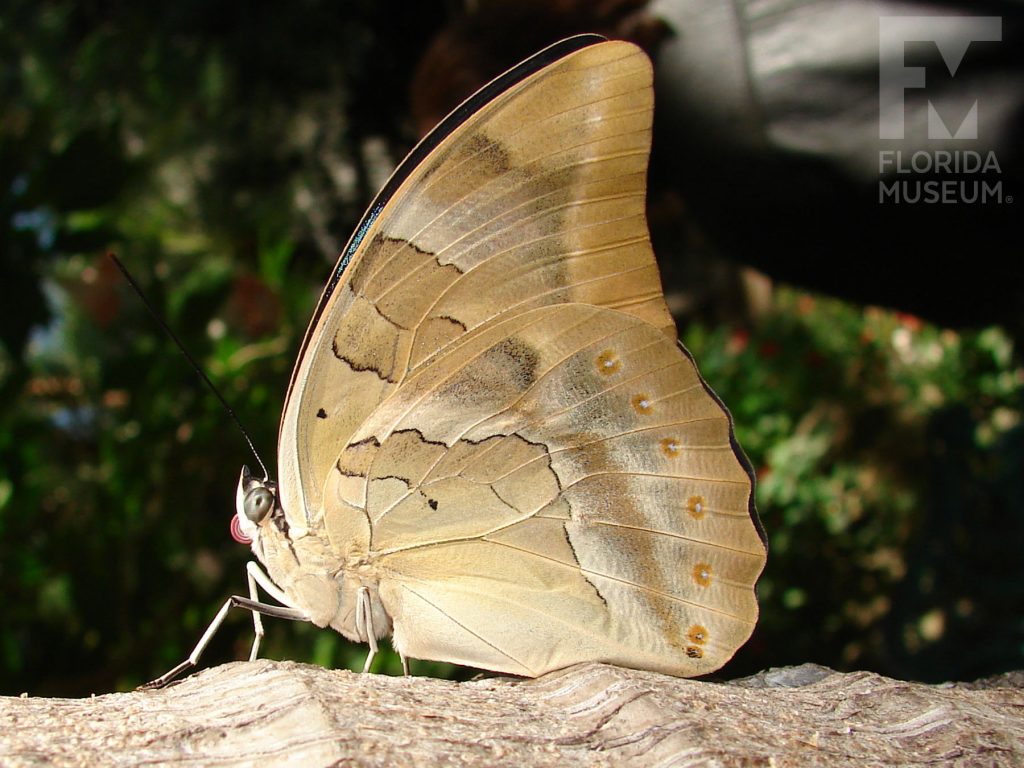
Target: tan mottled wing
(530, 194)
(558, 487)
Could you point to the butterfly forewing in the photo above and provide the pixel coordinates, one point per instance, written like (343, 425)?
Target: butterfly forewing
(537, 198)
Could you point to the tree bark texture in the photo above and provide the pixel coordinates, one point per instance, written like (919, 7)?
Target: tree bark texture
(277, 713)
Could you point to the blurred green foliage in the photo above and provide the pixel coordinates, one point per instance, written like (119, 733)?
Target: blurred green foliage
(225, 152)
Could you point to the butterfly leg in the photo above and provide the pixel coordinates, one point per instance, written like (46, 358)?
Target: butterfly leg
(364, 624)
(256, 576)
(405, 664)
(281, 612)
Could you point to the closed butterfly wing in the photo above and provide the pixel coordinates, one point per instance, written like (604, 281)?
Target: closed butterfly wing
(493, 446)
(530, 194)
(558, 487)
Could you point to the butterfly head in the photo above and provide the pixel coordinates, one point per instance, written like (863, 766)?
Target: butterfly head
(255, 503)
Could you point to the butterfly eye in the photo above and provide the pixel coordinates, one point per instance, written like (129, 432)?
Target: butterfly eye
(258, 502)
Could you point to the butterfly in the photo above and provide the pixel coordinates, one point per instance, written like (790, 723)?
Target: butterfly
(493, 447)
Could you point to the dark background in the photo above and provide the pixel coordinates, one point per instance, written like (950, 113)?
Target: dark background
(225, 151)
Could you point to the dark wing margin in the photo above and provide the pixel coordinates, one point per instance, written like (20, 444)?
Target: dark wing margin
(737, 449)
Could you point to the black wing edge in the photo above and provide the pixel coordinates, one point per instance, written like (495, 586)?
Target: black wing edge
(427, 144)
(736, 448)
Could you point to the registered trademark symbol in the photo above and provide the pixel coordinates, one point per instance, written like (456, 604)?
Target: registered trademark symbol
(1009, 199)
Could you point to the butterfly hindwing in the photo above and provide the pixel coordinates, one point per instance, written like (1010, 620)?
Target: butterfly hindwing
(558, 486)
(533, 197)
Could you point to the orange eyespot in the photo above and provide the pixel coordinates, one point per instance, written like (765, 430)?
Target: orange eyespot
(697, 634)
(671, 447)
(642, 404)
(702, 574)
(608, 362)
(695, 507)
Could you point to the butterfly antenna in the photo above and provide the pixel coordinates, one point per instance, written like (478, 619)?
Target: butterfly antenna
(191, 360)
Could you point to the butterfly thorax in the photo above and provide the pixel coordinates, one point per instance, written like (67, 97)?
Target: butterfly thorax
(318, 577)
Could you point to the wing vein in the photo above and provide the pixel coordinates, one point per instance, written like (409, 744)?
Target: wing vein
(642, 529)
(622, 581)
(509, 139)
(477, 635)
(539, 160)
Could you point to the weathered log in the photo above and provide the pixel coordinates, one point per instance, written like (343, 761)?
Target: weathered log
(270, 713)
